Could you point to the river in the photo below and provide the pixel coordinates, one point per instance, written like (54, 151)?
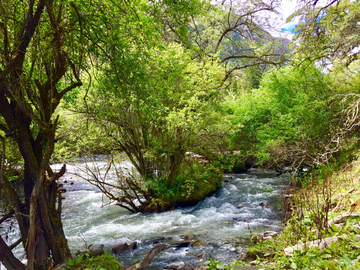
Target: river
(217, 227)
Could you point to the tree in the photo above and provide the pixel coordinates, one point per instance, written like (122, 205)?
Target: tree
(328, 34)
(328, 31)
(157, 92)
(40, 63)
(156, 103)
(239, 34)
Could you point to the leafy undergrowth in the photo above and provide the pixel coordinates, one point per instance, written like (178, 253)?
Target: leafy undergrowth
(102, 262)
(323, 196)
(342, 254)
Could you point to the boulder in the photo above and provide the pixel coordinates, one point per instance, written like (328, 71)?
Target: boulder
(201, 255)
(263, 236)
(123, 247)
(120, 248)
(133, 245)
(181, 244)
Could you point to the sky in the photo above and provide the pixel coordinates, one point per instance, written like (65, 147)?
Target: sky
(287, 8)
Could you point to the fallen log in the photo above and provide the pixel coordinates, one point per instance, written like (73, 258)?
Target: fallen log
(342, 218)
(320, 243)
(147, 260)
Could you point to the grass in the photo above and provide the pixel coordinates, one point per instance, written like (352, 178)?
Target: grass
(320, 196)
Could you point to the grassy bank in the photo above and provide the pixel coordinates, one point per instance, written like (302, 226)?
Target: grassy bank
(315, 236)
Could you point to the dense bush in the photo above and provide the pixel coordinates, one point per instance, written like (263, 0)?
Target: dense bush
(289, 119)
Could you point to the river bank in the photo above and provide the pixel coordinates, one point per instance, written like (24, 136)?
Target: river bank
(323, 232)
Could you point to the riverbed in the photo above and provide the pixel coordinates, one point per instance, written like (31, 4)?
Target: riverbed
(219, 227)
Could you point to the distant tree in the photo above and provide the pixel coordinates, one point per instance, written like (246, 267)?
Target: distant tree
(240, 35)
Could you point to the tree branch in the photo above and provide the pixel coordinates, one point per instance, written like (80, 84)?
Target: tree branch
(7, 216)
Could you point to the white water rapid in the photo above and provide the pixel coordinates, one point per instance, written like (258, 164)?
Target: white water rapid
(217, 227)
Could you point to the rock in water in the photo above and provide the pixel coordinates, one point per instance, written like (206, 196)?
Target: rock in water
(96, 252)
(120, 248)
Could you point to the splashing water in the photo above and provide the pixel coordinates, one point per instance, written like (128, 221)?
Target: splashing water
(217, 227)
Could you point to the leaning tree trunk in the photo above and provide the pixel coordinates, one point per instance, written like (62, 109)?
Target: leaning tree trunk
(45, 234)
(34, 63)
(41, 233)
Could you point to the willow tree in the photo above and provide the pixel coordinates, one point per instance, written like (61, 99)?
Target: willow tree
(40, 63)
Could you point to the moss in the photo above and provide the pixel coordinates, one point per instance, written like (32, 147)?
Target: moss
(102, 262)
(254, 252)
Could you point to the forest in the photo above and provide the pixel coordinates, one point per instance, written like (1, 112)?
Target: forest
(184, 91)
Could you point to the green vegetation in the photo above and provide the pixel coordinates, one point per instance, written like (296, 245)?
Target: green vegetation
(287, 120)
(327, 197)
(102, 262)
(184, 90)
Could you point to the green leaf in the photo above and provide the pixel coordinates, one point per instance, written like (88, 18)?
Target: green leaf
(293, 266)
(326, 256)
(329, 265)
(347, 259)
(334, 228)
(71, 262)
(333, 246)
(79, 259)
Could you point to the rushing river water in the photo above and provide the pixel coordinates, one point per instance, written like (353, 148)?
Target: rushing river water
(217, 227)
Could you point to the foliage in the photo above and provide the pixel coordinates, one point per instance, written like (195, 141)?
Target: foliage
(216, 265)
(288, 120)
(342, 255)
(238, 34)
(102, 262)
(165, 107)
(156, 93)
(327, 32)
(78, 137)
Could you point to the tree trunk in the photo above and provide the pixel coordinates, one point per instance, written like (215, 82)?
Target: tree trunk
(47, 238)
(29, 96)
